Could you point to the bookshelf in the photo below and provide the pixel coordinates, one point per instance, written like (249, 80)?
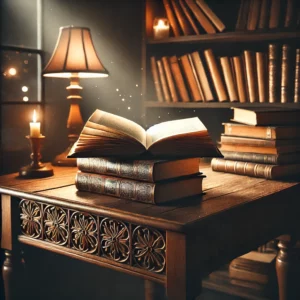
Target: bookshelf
(223, 43)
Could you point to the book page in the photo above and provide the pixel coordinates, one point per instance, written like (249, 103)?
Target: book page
(174, 128)
(122, 125)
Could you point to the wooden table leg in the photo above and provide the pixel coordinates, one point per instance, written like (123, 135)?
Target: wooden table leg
(153, 291)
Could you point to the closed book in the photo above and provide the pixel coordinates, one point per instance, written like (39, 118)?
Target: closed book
(201, 17)
(196, 77)
(172, 18)
(240, 78)
(291, 14)
(297, 77)
(156, 80)
(146, 192)
(179, 80)
(163, 80)
(253, 16)
(189, 16)
(261, 70)
(229, 78)
(142, 170)
(216, 76)
(201, 73)
(254, 169)
(251, 75)
(211, 15)
(286, 74)
(169, 78)
(183, 22)
(241, 23)
(273, 159)
(262, 132)
(266, 116)
(236, 140)
(274, 73)
(263, 21)
(275, 11)
(190, 78)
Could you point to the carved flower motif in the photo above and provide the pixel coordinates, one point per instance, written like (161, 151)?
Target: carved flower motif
(149, 249)
(30, 218)
(84, 232)
(115, 240)
(55, 220)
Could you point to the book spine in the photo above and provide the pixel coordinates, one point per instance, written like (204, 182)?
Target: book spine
(200, 16)
(138, 170)
(197, 79)
(251, 157)
(216, 75)
(285, 87)
(185, 26)
(240, 78)
(251, 76)
(261, 67)
(247, 141)
(253, 15)
(117, 187)
(241, 23)
(264, 14)
(274, 14)
(273, 72)
(229, 81)
(189, 16)
(297, 77)
(242, 168)
(291, 13)
(169, 77)
(179, 80)
(156, 80)
(163, 81)
(171, 17)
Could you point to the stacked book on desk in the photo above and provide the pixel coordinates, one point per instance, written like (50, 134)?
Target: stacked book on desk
(265, 142)
(117, 157)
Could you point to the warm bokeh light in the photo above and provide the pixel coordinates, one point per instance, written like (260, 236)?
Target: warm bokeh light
(34, 117)
(24, 88)
(25, 99)
(12, 71)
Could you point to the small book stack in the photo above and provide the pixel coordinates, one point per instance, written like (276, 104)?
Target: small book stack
(265, 142)
(117, 157)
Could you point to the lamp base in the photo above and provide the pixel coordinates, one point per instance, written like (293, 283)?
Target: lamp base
(62, 159)
(33, 172)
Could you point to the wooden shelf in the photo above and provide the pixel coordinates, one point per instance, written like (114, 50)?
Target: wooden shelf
(231, 37)
(153, 104)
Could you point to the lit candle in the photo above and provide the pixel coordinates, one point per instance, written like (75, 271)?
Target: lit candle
(35, 127)
(161, 28)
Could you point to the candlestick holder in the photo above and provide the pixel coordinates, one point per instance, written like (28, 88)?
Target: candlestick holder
(36, 169)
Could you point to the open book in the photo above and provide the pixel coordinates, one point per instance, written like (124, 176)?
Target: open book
(105, 134)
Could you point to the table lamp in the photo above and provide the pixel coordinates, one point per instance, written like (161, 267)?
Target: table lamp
(74, 57)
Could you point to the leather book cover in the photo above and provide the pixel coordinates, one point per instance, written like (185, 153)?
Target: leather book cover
(171, 17)
(155, 75)
(183, 22)
(229, 79)
(291, 14)
(240, 78)
(253, 16)
(169, 77)
(297, 77)
(196, 78)
(251, 75)
(189, 16)
(275, 11)
(241, 23)
(163, 81)
(263, 21)
(262, 82)
(286, 74)
(274, 73)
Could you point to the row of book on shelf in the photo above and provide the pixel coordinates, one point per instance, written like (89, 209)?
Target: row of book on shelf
(262, 143)
(190, 17)
(254, 76)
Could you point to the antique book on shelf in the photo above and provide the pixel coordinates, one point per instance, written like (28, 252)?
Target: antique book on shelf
(286, 74)
(156, 80)
(211, 15)
(254, 169)
(201, 17)
(163, 80)
(297, 77)
(240, 78)
(253, 16)
(242, 19)
(251, 75)
(178, 78)
(229, 79)
(262, 132)
(201, 74)
(146, 192)
(273, 159)
(266, 116)
(189, 16)
(291, 14)
(263, 21)
(216, 76)
(190, 78)
(142, 170)
(106, 134)
(274, 73)
(183, 22)
(261, 70)
(275, 10)
(172, 18)
(169, 77)
(196, 77)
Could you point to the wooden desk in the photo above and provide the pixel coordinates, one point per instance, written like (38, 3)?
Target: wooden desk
(174, 245)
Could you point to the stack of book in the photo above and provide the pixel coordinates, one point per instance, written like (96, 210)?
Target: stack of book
(117, 157)
(265, 142)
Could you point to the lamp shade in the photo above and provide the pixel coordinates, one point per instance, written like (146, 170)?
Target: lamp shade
(74, 53)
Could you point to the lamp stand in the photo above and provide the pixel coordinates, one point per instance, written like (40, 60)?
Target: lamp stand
(74, 123)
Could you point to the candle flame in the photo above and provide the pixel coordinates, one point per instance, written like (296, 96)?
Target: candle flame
(34, 118)
(161, 23)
